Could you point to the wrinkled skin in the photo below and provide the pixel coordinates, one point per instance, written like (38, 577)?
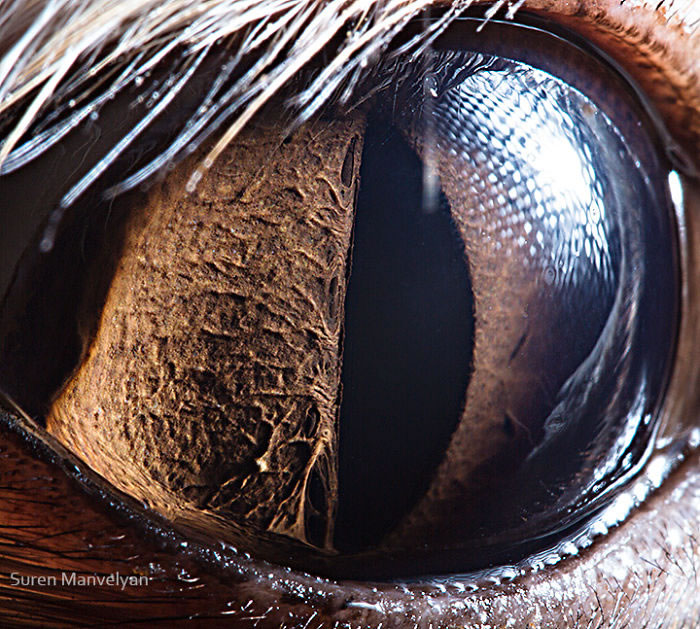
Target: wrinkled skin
(643, 573)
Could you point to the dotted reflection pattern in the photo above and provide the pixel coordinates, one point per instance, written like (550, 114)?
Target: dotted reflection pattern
(534, 138)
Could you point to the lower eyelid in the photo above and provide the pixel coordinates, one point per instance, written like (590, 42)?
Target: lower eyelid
(639, 573)
(649, 564)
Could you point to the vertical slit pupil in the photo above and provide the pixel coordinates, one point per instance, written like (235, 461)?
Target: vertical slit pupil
(408, 343)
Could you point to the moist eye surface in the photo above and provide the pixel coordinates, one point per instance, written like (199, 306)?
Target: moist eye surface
(424, 335)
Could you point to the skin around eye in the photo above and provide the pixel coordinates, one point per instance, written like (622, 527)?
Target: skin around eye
(669, 555)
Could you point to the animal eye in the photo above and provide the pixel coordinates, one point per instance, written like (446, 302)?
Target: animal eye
(428, 331)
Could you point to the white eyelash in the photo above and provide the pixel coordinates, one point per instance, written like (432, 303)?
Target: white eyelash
(56, 48)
